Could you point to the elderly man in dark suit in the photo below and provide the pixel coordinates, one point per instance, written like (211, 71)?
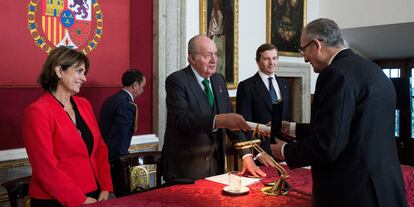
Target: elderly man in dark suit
(350, 142)
(117, 120)
(256, 94)
(198, 118)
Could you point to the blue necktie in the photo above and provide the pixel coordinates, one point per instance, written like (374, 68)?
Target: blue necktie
(272, 91)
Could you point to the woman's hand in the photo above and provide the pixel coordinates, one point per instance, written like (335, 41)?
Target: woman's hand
(103, 195)
(89, 200)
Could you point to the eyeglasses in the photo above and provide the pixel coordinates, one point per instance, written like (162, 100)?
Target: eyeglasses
(302, 49)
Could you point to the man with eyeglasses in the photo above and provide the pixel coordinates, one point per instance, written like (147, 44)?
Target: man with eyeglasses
(198, 118)
(349, 142)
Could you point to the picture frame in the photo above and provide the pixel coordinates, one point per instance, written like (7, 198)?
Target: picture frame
(219, 21)
(284, 22)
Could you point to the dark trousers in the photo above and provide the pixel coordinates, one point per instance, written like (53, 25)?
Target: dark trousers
(117, 182)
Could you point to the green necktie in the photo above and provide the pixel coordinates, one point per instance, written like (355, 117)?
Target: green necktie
(208, 91)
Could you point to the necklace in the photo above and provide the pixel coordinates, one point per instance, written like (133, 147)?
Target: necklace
(70, 112)
(69, 109)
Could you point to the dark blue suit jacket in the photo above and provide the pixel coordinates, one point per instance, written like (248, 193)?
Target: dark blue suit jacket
(350, 141)
(255, 104)
(116, 121)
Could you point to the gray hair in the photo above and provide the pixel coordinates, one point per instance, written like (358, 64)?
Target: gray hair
(192, 46)
(326, 30)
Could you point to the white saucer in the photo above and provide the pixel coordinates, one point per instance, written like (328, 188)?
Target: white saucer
(243, 190)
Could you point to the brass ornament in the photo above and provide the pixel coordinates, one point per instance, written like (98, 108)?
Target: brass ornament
(280, 186)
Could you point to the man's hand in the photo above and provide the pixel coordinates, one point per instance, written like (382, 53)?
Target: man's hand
(262, 133)
(231, 121)
(103, 195)
(249, 166)
(277, 149)
(266, 160)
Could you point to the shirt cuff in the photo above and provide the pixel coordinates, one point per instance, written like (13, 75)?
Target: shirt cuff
(283, 150)
(257, 156)
(214, 124)
(292, 129)
(247, 155)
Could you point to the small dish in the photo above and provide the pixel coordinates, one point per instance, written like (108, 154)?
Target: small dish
(243, 190)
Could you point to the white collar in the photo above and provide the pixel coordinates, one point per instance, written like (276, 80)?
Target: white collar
(129, 93)
(333, 56)
(265, 76)
(198, 76)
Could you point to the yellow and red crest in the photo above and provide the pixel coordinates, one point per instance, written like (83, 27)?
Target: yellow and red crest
(72, 23)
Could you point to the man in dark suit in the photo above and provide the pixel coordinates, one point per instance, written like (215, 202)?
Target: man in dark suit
(350, 141)
(117, 120)
(198, 117)
(256, 94)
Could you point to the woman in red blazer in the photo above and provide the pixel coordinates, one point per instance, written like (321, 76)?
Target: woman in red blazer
(68, 156)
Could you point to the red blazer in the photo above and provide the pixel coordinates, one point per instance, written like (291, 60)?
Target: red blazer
(61, 167)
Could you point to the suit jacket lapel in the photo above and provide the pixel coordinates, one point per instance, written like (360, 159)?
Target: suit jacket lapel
(61, 113)
(282, 88)
(83, 112)
(218, 91)
(195, 88)
(262, 91)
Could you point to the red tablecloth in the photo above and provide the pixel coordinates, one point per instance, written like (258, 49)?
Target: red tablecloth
(408, 174)
(207, 193)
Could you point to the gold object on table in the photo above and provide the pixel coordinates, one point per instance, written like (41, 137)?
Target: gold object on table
(281, 186)
(139, 178)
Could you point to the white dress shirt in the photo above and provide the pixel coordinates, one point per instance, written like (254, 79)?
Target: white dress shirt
(265, 79)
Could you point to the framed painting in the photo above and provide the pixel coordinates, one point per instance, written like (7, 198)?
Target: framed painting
(219, 21)
(284, 22)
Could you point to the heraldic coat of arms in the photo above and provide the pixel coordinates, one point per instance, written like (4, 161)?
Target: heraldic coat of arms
(76, 24)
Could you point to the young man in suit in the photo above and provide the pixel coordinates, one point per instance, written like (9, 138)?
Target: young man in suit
(256, 94)
(117, 120)
(350, 141)
(198, 117)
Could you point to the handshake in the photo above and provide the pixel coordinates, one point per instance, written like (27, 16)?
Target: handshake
(231, 121)
(235, 122)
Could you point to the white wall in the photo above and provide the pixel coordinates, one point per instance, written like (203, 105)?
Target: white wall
(357, 13)
(252, 33)
(192, 19)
